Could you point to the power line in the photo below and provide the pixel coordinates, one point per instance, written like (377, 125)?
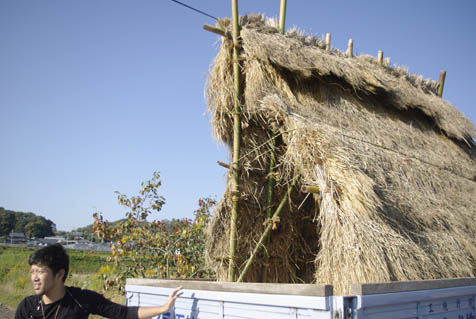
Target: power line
(192, 8)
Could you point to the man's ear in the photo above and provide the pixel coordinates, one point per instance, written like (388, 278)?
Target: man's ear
(60, 274)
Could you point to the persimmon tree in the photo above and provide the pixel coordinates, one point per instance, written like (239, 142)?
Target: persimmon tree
(157, 248)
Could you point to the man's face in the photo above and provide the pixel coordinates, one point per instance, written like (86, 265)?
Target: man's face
(43, 279)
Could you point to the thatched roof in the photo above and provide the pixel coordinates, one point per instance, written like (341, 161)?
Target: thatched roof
(395, 166)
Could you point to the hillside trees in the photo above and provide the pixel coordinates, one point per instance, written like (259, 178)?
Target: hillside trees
(158, 249)
(39, 227)
(28, 223)
(7, 221)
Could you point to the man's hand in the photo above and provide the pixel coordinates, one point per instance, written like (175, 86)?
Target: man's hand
(172, 297)
(147, 312)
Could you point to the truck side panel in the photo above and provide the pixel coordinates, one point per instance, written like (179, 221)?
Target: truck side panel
(200, 304)
(446, 303)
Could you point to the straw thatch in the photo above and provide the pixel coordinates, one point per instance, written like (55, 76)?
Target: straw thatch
(394, 165)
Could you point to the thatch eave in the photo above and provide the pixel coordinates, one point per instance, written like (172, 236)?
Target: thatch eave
(363, 74)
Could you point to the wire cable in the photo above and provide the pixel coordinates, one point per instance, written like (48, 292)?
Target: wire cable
(194, 9)
(382, 147)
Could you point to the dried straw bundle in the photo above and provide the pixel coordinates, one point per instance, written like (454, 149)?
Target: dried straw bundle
(395, 166)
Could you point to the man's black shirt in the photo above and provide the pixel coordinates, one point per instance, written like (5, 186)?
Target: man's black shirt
(76, 304)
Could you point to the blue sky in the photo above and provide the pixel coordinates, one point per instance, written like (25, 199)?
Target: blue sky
(96, 95)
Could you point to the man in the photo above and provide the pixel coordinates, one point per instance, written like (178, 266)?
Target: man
(54, 300)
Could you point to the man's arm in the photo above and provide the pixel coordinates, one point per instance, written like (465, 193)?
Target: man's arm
(147, 312)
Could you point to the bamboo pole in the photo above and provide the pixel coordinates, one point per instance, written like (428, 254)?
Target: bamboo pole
(282, 16)
(328, 41)
(380, 57)
(442, 83)
(218, 31)
(266, 232)
(225, 165)
(272, 163)
(269, 192)
(310, 189)
(236, 142)
(350, 48)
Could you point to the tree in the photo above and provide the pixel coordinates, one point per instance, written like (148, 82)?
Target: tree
(28, 223)
(38, 227)
(21, 220)
(158, 249)
(7, 222)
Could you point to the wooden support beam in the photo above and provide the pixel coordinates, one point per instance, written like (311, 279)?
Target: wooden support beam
(350, 48)
(218, 31)
(442, 83)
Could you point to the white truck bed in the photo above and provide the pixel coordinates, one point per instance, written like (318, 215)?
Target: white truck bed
(435, 299)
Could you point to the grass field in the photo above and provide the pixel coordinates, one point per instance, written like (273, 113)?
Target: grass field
(86, 270)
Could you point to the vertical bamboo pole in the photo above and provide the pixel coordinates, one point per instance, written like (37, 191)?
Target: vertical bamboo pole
(269, 193)
(328, 42)
(236, 142)
(350, 48)
(266, 232)
(272, 163)
(380, 57)
(442, 83)
(282, 16)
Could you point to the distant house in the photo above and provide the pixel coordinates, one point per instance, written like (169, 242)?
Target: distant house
(17, 238)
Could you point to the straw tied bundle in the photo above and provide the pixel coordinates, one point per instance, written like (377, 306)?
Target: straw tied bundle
(385, 170)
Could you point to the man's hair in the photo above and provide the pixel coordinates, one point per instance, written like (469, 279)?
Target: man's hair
(53, 256)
